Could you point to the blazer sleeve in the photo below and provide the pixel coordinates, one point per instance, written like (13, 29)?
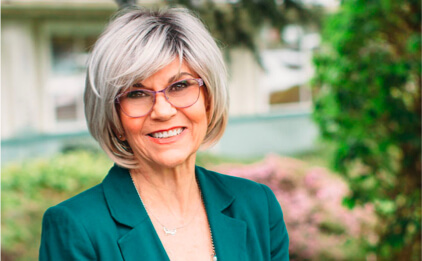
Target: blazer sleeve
(64, 238)
(279, 241)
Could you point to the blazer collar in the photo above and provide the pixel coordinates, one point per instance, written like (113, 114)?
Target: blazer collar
(122, 198)
(229, 233)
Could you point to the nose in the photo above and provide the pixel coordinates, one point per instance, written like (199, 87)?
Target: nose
(162, 109)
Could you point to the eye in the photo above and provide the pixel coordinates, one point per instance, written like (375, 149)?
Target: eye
(179, 86)
(138, 94)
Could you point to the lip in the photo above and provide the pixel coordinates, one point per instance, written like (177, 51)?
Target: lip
(167, 140)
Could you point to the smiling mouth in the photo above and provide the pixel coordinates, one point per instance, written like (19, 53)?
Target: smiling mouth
(166, 134)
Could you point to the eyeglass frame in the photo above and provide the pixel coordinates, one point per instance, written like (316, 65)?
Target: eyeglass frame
(154, 93)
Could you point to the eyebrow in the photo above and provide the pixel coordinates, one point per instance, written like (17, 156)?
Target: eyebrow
(177, 76)
(172, 79)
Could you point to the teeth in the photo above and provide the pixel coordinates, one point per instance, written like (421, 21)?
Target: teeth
(167, 134)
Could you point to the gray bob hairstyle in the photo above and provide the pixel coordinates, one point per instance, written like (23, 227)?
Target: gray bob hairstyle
(135, 45)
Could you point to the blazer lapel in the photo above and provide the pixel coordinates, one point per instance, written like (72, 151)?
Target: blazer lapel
(140, 240)
(229, 233)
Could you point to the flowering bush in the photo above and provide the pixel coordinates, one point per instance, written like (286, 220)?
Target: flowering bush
(319, 227)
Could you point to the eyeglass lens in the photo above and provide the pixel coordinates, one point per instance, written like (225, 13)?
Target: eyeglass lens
(139, 102)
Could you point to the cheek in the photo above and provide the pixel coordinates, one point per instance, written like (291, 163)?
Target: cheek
(202, 120)
(131, 126)
(202, 125)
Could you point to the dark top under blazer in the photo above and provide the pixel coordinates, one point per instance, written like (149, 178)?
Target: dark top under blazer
(109, 223)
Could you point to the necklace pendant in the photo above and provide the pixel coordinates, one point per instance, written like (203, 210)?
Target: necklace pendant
(214, 258)
(170, 232)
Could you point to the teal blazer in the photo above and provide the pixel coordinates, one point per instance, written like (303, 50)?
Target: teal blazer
(109, 223)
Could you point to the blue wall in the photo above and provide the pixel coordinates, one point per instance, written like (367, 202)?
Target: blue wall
(251, 136)
(278, 133)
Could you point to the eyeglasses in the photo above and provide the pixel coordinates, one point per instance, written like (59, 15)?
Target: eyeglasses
(139, 102)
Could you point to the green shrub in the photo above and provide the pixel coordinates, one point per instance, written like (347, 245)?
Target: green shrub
(29, 188)
(367, 104)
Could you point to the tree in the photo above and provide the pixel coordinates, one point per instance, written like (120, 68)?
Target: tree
(367, 103)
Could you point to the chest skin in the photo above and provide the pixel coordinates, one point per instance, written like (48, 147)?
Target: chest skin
(192, 242)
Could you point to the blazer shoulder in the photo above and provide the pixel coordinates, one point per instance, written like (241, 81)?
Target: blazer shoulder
(66, 228)
(88, 201)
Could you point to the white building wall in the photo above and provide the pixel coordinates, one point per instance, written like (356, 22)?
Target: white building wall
(245, 95)
(20, 104)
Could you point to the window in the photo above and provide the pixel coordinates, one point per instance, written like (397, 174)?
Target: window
(68, 67)
(69, 53)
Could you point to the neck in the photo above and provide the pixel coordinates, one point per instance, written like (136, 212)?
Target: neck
(168, 190)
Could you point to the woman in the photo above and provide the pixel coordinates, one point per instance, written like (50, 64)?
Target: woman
(155, 92)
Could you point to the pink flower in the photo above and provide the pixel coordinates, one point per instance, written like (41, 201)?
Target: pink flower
(311, 199)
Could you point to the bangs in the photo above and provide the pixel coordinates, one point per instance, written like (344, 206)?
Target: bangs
(146, 54)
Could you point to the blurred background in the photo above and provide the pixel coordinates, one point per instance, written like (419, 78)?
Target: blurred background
(325, 109)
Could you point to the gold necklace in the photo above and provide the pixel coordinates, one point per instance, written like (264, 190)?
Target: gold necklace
(173, 231)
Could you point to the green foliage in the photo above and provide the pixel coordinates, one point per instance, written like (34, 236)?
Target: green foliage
(368, 104)
(28, 189)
